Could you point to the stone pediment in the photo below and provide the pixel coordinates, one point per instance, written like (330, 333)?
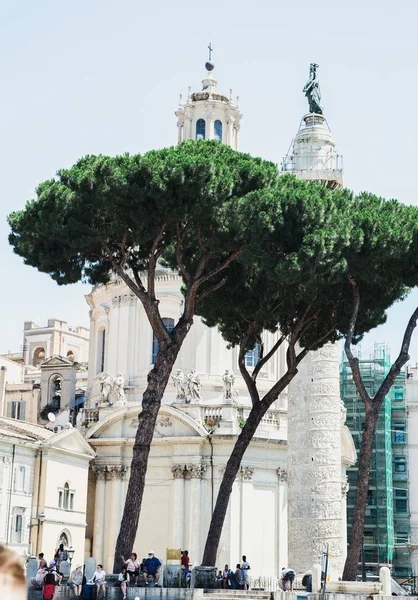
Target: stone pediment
(70, 440)
(123, 423)
(56, 362)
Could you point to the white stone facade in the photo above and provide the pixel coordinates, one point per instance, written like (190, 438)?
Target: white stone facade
(43, 482)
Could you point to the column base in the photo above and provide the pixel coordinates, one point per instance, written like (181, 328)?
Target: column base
(203, 577)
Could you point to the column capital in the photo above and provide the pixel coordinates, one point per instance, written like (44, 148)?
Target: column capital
(282, 474)
(247, 473)
(100, 472)
(194, 471)
(116, 471)
(177, 471)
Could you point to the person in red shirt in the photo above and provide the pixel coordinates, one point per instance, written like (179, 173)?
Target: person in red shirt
(185, 562)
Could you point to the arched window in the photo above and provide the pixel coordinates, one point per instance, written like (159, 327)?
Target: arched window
(38, 357)
(55, 392)
(218, 131)
(252, 357)
(200, 129)
(169, 323)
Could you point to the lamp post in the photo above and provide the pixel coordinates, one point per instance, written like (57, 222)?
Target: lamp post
(70, 553)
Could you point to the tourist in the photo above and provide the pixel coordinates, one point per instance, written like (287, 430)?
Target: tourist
(123, 581)
(219, 579)
(99, 578)
(132, 568)
(245, 568)
(12, 576)
(143, 571)
(239, 577)
(153, 567)
(288, 577)
(234, 581)
(57, 575)
(76, 581)
(42, 562)
(38, 580)
(225, 577)
(59, 557)
(185, 562)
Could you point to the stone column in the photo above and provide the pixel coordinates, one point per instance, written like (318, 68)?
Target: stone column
(314, 463)
(180, 131)
(115, 475)
(177, 509)
(194, 473)
(282, 519)
(99, 513)
(210, 118)
(237, 128)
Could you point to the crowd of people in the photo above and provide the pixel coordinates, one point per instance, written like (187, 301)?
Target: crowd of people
(235, 580)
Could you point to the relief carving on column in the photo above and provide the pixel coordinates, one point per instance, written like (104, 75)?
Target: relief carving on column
(177, 471)
(100, 472)
(247, 473)
(194, 471)
(282, 474)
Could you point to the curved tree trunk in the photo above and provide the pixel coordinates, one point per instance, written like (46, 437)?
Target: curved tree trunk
(359, 513)
(225, 489)
(151, 401)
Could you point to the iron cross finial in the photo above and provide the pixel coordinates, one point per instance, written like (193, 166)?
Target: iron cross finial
(210, 51)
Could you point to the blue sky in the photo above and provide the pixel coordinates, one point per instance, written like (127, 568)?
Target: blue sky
(99, 76)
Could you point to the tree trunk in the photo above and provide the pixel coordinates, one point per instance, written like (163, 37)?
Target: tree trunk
(231, 470)
(359, 513)
(151, 402)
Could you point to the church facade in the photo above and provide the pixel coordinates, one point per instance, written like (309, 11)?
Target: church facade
(204, 407)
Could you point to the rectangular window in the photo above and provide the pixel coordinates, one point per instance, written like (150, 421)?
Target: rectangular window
(400, 465)
(401, 506)
(60, 499)
(20, 478)
(252, 356)
(17, 525)
(399, 433)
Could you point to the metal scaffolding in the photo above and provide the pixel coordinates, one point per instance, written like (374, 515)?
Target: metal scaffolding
(386, 528)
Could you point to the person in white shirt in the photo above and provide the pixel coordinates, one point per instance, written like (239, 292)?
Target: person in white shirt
(245, 567)
(288, 577)
(99, 577)
(123, 582)
(38, 581)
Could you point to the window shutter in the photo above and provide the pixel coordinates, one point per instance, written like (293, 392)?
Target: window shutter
(15, 476)
(22, 410)
(9, 409)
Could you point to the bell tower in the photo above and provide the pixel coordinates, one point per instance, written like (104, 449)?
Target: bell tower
(209, 114)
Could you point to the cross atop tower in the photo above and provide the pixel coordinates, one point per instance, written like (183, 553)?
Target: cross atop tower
(210, 51)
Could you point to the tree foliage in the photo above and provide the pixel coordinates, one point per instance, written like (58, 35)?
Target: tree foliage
(302, 286)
